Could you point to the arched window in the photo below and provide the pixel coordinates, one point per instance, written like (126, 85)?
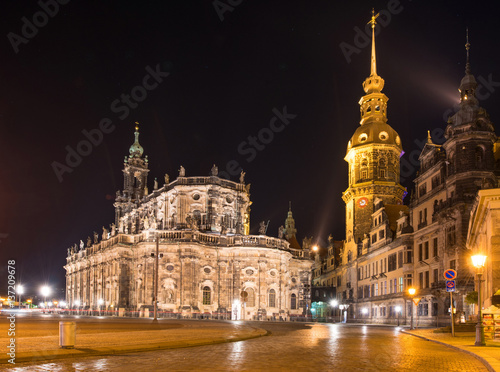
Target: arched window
(293, 302)
(206, 296)
(272, 298)
(382, 168)
(251, 297)
(349, 256)
(364, 170)
(479, 157)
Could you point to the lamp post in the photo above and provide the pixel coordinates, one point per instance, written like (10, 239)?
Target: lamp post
(342, 308)
(398, 311)
(478, 261)
(77, 304)
(411, 292)
(364, 311)
(333, 304)
(20, 291)
(45, 291)
(99, 303)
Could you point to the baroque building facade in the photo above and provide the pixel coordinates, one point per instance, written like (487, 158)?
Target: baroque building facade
(195, 230)
(390, 247)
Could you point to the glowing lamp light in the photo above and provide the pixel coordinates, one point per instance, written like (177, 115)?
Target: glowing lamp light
(334, 303)
(364, 311)
(100, 302)
(20, 289)
(45, 290)
(77, 302)
(398, 309)
(412, 291)
(478, 261)
(315, 248)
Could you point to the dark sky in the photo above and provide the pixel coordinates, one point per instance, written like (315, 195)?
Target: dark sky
(225, 78)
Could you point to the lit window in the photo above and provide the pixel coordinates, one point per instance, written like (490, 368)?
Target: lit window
(206, 296)
(272, 298)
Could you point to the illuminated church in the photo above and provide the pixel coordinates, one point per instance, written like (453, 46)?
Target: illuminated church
(390, 247)
(206, 263)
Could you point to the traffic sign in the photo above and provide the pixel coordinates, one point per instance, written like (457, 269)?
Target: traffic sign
(416, 300)
(450, 286)
(450, 274)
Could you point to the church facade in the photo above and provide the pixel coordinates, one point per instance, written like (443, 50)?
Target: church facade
(192, 236)
(391, 247)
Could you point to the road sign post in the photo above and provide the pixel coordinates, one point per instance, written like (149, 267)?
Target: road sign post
(450, 275)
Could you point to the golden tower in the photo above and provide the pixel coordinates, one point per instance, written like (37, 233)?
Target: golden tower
(373, 156)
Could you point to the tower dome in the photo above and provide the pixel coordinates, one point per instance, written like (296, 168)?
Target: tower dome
(136, 149)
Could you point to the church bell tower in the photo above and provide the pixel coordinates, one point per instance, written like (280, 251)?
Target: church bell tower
(373, 154)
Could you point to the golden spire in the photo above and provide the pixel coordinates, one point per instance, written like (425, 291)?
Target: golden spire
(373, 22)
(373, 83)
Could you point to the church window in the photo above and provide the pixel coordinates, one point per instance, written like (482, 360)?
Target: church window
(377, 108)
(207, 270)
(382, 173)
(251, 297)
(374, 238)
(363, 137)
(293, 301)
(206, 295)
(170, 267)
(383, 136)
(196, 196)
(349, 256)
(272, 298)
(249, 272)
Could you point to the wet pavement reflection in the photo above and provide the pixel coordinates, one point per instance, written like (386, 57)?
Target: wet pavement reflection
(290, 347)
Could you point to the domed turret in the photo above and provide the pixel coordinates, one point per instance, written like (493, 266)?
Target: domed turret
(136, 149)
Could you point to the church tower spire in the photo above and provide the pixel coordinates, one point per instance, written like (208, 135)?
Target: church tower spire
(135, 170)
(374, 103)
(290, 229)
(373, 155)
(468, 84)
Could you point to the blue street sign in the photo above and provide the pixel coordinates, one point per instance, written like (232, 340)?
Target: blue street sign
(450, 286)
(450, 274)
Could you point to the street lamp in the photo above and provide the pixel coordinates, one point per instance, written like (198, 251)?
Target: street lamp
(411, 292)
(478, 261)
(334, 304)
(398, 311)
(364, 311)
(342, 308)
(100, 302)
(77, 304)
(45, 291)
(20, 291)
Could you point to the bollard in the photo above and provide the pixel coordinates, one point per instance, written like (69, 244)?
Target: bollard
(67, 335)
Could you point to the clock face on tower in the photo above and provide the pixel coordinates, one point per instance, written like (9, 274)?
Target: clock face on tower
(362, 202)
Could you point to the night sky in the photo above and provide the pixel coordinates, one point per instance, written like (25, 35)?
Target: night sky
(228, 74)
